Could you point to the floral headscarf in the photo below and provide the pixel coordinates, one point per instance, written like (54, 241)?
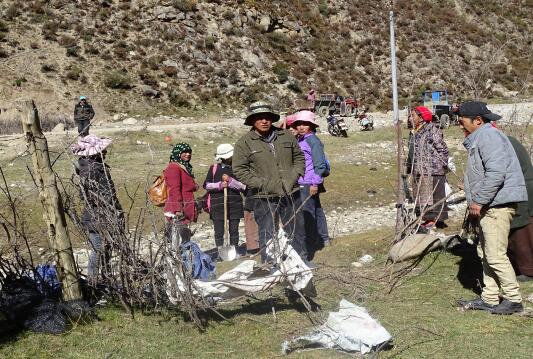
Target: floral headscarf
(176, 153)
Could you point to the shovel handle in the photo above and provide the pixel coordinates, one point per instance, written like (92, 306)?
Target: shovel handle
(225, 216)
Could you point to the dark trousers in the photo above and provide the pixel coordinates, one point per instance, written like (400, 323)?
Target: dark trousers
(520, 250)
(316, 227)
(83, 127)
(218, 225)
(268, 212)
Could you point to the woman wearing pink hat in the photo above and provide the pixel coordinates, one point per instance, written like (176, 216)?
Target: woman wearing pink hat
(103, 217)
(427, 162)
(312, 182)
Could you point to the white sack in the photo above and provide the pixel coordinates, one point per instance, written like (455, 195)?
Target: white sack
(290, 270)
(351, 329)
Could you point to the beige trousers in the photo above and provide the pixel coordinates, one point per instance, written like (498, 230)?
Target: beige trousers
(498, 272)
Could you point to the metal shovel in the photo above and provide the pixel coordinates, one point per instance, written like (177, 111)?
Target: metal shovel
(227, 252)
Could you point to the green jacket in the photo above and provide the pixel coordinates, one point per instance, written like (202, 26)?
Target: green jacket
(524, 210)
(267, 172)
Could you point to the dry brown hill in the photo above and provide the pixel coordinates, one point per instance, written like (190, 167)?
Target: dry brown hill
(153, 56)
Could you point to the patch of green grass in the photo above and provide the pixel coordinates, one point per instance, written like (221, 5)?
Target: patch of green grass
(420, 315)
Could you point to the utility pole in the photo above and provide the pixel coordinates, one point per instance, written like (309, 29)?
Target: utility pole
(397, 124)
(53, 211)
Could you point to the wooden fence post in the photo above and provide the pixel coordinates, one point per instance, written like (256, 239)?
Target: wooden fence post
(53, 211)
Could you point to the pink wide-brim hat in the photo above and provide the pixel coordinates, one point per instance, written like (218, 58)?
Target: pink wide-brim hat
(306, 117)
(90, 145)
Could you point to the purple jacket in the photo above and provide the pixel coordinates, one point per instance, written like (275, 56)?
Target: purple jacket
(315, 160)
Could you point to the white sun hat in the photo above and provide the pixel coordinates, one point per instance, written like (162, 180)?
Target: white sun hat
(224, 151)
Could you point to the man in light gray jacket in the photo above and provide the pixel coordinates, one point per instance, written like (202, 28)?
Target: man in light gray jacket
(493, 184)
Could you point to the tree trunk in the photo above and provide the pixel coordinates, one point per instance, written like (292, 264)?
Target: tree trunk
(53, 212)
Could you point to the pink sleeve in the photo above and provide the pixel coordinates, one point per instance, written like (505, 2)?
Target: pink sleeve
(213, 186)
(236, 185)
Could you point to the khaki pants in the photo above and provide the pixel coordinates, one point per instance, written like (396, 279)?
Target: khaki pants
(498, 272)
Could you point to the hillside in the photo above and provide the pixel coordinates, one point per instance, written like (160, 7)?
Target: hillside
(166, 56)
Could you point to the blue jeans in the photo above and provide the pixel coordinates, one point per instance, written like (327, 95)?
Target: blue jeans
(316, 227)
(98, 253)
(268, 212)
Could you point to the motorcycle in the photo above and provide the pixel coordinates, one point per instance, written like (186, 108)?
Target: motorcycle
(366, 123)
(337, 126)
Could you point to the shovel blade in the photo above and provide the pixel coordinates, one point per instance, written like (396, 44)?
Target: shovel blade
(227, 253)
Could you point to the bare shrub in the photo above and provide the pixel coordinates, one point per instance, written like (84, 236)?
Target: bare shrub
(117, 80)
(185, 5)
(48, 122)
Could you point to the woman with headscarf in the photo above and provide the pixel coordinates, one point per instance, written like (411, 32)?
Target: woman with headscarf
(428, 162)
(179, 178)
(102, 217)
(219, 177)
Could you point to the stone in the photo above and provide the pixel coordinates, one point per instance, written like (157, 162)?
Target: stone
(251, 59)
(165, 13)
(170, 63)
(60, 127)
(149, 91)
(129, 121)
(212, 28)
(264, 23)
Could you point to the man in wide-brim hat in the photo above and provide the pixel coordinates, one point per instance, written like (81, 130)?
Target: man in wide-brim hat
(269, 162)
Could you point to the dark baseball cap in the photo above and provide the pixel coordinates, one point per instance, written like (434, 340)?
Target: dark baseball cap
(477, 108)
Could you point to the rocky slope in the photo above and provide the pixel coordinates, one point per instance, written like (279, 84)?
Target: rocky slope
(162, 56)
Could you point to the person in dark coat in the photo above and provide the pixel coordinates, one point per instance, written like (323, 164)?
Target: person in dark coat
(220, 176)
(520, 248)
(83, 114)
(179, 178)
(102, 216)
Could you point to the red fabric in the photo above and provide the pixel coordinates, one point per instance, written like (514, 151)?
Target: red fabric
(181, 188)
(425, 113)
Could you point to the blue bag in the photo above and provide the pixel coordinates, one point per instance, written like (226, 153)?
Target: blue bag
(46, 279)
(197, 262)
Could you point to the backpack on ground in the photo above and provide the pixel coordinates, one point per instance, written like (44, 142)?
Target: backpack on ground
(158, 192)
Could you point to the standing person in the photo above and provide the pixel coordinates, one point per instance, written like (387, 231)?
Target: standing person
(83, 114)
(269, 162)
(520, 249)
(427, 162)
(493, 185)
(179, 178)
(312, 182)
(102, 216)
(311, 97)
(220, 176)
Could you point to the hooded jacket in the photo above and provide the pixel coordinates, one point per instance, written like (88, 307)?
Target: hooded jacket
(268, 169)
(493, 175)
(315, 160)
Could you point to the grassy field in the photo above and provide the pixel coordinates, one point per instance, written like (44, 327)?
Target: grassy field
(420, 313)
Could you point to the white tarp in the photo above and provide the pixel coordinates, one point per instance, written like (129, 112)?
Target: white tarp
(351, 329)
(289, 269)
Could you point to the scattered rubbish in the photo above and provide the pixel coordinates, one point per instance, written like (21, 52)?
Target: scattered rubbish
(351, 329)
(288, 268)
(357, 264)
(33, 302)
(367, 258)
